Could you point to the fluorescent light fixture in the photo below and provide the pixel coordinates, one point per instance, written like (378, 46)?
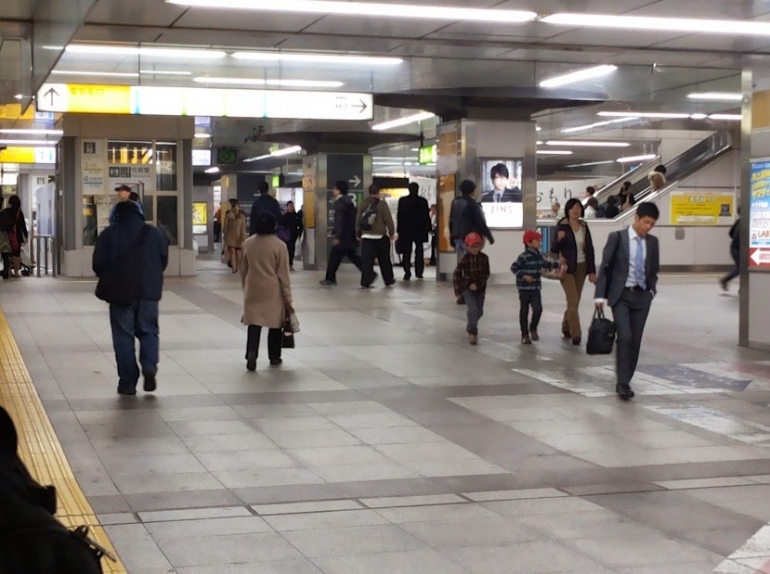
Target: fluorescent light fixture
(26, 143)
(538, 129)
(698, 116)
(109, 50)
(727, 117)
(287, 151)
(580, 75)
(597, 125)
(416, 118)
(202, 136)
(19, 96)
(259, 82)
(213, 170)
(591, 163)
(716, 96)
(318, 58)
(539, 143)
(696, 25)
(553, 152)
(569, 143)
(651, 115)
(31, 132)
(636, 158)
(163, 73)
(96, 74)
(368, 9)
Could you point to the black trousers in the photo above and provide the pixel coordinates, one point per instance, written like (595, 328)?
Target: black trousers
(530, 300)
(419, 257)
(7, 257)
(274, 338)
(372, 249)
(630, 314)
(336, 257)
(291, 245)
(433, 248)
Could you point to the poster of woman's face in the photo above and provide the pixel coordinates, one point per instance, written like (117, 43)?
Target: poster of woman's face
(501, 192)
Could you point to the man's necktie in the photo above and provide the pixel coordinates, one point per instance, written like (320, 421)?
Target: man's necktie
(639, 263)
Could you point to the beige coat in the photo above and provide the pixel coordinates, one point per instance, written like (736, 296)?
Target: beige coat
(235, 229)
(265, 280)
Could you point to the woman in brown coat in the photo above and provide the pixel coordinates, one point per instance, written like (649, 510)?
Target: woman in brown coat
(235, 234)
(266, 290)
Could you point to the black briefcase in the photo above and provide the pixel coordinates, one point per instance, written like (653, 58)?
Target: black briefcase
(601, 335)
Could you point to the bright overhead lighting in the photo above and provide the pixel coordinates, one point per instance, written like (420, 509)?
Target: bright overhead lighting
(553, 152)
(259, 82)
(569, 143)
(107, 50)
(318, 58)
(653, 115)
(636, 158)
(590, 163)
(164, 73)
(728, 117)
(31, 132)
(539, 143)
(202, 136)
(716, 96)
(416, 118)
(19, 96)
(212, 170)
(580, 75)
(97, 74)
(538, 128)
(742, 27)
(368, 9)
(698, 116)
(597, 125)
(26, 143)
(277, 153)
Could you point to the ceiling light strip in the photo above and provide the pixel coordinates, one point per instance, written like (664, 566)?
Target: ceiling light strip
(597, 125)
(31, 132)
(648, 115)
(261, 82)
(118, 50)
(653, 24)
(568, 143)
(716, 96)
(553, 152)
(413, 119)
(318, 58)
(578, 76)
(591, 163)
(95, 74)
(636, 158)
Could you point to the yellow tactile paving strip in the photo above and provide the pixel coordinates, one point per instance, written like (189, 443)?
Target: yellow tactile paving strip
(38, 445)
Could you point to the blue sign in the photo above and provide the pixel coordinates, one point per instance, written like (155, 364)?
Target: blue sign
(759, 217)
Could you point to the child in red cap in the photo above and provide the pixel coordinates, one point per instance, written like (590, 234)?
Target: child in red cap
(528, 269)
(470, 281)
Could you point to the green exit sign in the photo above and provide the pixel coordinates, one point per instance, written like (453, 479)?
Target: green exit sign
(276, 182)
(428, 154)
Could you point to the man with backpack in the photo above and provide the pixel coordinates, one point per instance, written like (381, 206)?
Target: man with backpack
(129, 259)
(375, 228)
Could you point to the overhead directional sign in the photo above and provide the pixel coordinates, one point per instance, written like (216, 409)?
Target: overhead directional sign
(178, 101)
(345, 167)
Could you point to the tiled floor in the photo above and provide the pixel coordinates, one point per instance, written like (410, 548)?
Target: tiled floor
(386, 444)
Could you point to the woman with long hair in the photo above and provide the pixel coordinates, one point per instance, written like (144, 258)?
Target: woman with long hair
(235, 233)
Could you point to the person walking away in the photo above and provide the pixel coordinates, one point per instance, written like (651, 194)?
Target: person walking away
(344, 240)
(592, 208)
(528, 269)
(433, 235)
(5, 243)
(612, 211)
(628, 282)
(265, 203)
(576, 250)
(470, 282)
(735, 253)
(218, 225)
(267, 299)
(374, 225)
(235, 234)
(129, 259)
(293, 223)
(413, 229)
(17, 232)
(657, 178)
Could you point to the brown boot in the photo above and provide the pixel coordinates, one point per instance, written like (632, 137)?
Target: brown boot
(474, 339)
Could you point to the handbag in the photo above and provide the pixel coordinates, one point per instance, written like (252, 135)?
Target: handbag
(601, 335)
(287, 340)
(555, 274)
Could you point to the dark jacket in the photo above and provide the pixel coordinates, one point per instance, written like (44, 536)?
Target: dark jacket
(735, 235)
(15, 219)
(345, 222)
(413, 219)
(466, 216)
(616, 261)
(567, 247)
(531, 263)
(116, 251)
(265, 203)
(611, 211)
(471, 270)
(293, 222)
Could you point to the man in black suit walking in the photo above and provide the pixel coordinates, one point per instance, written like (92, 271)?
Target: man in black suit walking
(628, 280)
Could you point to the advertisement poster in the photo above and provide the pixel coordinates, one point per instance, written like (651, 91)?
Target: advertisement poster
(446, 194)
(759, 217)
(200, 217)
(702, 208)
(501, 195)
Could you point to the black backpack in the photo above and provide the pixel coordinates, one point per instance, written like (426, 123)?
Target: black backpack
(370, 215)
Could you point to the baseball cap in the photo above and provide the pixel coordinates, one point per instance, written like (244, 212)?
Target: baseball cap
(473, 239)
(123, 188)
(530, 236)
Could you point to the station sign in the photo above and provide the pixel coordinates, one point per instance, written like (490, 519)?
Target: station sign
(759, 217)
(212, 102)
(29, 155)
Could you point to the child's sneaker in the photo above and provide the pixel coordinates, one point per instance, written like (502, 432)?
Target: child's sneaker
(525, 340)
(533, 335)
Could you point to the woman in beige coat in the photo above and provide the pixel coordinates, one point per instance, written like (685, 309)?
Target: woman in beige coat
(266, 290)
(235, 234)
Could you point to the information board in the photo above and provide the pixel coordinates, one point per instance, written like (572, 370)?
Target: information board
(759, 216)
(702, 208)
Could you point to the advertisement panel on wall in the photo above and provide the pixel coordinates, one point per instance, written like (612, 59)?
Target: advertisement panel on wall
(702, 208)
(446, 194)
(759, 216)
(501, 196)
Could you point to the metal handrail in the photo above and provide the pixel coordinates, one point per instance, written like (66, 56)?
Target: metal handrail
(44, 244)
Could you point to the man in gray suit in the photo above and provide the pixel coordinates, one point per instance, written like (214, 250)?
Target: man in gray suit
(628, 280)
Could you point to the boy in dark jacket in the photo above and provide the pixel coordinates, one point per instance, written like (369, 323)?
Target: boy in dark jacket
(528, 269)
(470, 281)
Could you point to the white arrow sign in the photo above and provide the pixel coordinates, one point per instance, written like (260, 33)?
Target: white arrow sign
(355, 181)
(761, 256)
